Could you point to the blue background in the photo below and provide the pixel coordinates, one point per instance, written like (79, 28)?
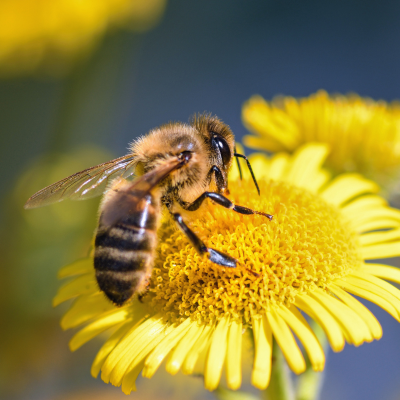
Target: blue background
(212, 56)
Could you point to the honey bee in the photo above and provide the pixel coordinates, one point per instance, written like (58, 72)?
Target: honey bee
(177, 165)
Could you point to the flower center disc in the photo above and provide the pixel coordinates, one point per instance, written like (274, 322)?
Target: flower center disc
(308, 244)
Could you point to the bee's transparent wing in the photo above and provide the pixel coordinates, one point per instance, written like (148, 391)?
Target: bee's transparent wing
(82, 185)
(119, 207)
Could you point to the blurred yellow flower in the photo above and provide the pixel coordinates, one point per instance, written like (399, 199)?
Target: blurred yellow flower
(51, 35)
(310, 259)
(364, 135)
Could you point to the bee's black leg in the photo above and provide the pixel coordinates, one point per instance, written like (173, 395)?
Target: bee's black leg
(224, 202)
(213, 255)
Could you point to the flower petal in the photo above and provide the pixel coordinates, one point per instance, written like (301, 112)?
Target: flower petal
(378, 215)
(305, 162)
(154, 360)
(83, 266)
(383, 271)
(361, 205)
(373, 225)
(149, 327)
(138, 357)
(374, 238)
(286, 342)
(216, 355)
(129, 382)
(347, 186)
(355, 327)
(98, 326)
(107, 347)
(180, 352)
(328, 323)
(378, 282)
(202, 344)
(382, 250)
(84, 284)
(84, 308)
(377, 286)
(278, 166)
(369, 318)
(234, 356)
(303, 331)
(261, 373)
(367, 292)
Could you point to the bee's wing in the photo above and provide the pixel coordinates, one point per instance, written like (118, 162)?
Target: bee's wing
(139, 188)
(88, 183)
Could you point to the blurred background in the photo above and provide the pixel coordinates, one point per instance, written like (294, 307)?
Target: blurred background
(80, 80)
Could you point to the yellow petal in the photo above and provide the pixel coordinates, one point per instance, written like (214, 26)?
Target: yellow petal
(157, 356)
(261, 373)
(262, 143)
(351, 323)
(347, 186)
(138, 357)
(378, 282)
(180, 352)
(303, 331)
(278, 165)
(84, 308)
(286, 342)
(260, 163)
(84, 284)
(108, 346)
(317, 181)
(383, 271)
(305, 162)
(216, 355)
(382, 223)
(379, 237)
(378, 214)
(369, 295)
(384, 250)
(316, 311)
(150, 326)
(234, 356)
(369, 318)
(98, 326)
(83, 266)
(258, 118)
(129, 382)
(361, 205)
(389, 292)
(202, 343)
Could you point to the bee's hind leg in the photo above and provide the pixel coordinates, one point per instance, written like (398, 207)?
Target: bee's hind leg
(213, 255)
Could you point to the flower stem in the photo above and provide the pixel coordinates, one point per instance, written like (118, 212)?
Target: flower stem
(310, 382)
(280, 386)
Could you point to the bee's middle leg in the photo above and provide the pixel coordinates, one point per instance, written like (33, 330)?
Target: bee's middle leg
(224, 202)
(213, 255)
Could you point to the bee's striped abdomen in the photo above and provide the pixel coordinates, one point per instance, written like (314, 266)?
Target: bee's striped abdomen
(124, 252)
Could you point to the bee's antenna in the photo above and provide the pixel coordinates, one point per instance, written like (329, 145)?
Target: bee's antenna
(251, 171)
(238, 164)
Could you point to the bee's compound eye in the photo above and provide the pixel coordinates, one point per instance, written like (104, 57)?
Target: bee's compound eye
(223, 149)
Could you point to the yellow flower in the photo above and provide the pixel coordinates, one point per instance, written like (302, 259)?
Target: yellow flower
(363, 135)
(51, 34)
(310, 259)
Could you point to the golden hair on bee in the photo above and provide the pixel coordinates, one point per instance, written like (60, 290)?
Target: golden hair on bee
(177, 166)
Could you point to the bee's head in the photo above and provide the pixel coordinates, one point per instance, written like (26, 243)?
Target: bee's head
(220, 143)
